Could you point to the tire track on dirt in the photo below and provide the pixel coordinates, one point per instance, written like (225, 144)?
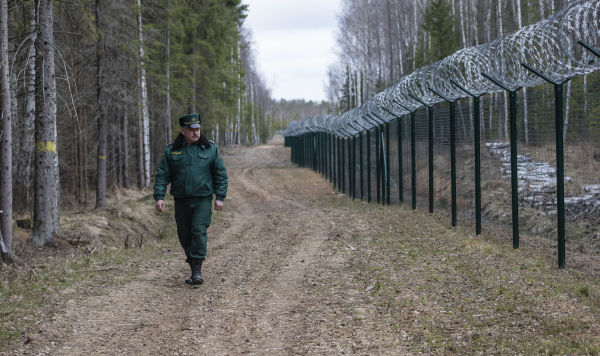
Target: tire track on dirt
(273, 323)
(276, 280)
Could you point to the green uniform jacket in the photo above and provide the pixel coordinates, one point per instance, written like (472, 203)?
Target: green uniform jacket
(195, 170)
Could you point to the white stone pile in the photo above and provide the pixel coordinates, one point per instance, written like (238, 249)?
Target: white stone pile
(537, 183)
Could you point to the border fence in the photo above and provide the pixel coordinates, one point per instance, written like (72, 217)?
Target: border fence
(506, 133)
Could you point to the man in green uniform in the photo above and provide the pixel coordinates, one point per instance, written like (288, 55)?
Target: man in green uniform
(194, 168)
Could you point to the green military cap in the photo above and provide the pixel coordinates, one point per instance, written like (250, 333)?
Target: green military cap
(190, 120)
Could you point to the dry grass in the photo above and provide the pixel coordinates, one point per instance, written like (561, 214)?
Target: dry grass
(438, 290)
(89, 256)
(446, 291)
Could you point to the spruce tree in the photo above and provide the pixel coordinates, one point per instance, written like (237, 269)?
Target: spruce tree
(437, 22)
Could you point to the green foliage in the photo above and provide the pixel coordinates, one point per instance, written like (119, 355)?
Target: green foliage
(439, 23)
(205, 71)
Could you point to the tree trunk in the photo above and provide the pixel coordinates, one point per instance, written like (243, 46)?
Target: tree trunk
(75, 157)
(216, 137)
(499, 19)
(118, 147)
(5, 135)
(168, 78)
(140, 150)
(238, 117)
(400, 54)
(101, 157)
(379, 52)
(84, 162)
(24, 173)
(125, 132)
(463, 27)
(4, 254)
(390, 42)
(585, 99)
(488, 26)
(113, 149)
(45, 214)
(525, 107)
(414, 31)
(144, 99)
(252, 107)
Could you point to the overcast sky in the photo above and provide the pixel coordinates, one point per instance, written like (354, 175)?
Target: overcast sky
(294, 42)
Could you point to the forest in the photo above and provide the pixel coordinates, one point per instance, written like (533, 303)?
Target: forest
(92, 91)
(379, 42)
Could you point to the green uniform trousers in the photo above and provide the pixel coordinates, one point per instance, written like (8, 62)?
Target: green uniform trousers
(193, 219)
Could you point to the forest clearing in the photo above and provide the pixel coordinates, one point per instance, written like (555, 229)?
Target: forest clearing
(294, 268)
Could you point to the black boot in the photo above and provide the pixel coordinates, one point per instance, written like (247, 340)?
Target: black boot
(190, 280)
(196, 271)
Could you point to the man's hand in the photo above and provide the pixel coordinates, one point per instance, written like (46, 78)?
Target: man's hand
(160, 206)
(219, 205)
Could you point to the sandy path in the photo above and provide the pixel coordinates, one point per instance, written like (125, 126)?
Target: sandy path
(277, 281)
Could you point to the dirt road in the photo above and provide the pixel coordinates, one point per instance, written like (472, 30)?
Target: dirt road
(277, 281)
(295, 268)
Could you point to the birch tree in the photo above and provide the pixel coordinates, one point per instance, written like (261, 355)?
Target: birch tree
(525, 109)
(144, 100)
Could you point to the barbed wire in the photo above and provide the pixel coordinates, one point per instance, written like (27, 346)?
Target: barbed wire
(550, 45)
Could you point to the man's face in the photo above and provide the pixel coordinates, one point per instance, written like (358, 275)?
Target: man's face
(190, 135)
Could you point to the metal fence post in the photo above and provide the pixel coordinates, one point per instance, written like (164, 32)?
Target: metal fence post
(315, 152)
(512, 94)
(377, 165)
(368, 166)
(452, 153)
(339, 163)
(353, 167)
(343, 181)
(387, 162)
(400, 170)
(350, 166)
(430, 148)
(477, 147)
(413, 157)
(560, 162)
(399, 142)
(331, 159)
(320, 151)
(362, 191)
